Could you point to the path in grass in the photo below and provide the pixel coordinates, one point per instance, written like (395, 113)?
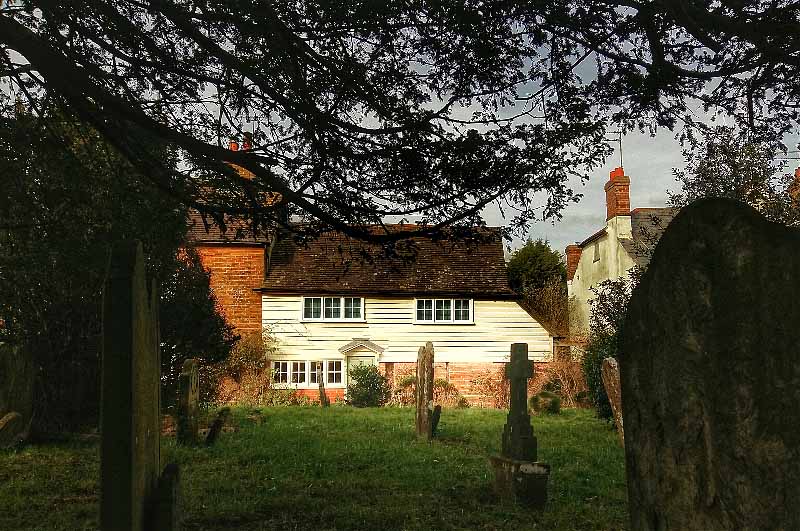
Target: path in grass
(341, 468)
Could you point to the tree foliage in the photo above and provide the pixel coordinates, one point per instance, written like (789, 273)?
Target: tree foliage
(361, 110)
(734, 164)
(533, 265)
(61, 212)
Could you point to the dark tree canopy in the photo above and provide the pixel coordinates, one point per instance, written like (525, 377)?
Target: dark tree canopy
(61, 211)
(533, 265)
(363, 110)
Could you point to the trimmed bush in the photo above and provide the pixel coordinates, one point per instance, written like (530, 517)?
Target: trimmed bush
(369, 388)
(545, 402)
(599, 348)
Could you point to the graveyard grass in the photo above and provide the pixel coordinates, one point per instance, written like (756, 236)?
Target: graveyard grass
(340, 468)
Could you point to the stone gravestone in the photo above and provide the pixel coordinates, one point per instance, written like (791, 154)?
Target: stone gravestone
(188, 399)
(424, 392)
(518, 475)
(130, 461)
(323, 396)
(610, 373)
(17, 375)
(710, 369)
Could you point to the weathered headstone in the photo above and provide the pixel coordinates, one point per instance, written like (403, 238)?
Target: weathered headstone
(324, 401)
(518, 475)
(711, 375)
(188, 402)
(610, 373)
(130, 460)
(424, 392)
(17, 374)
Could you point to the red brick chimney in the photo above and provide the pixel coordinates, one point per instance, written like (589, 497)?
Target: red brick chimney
(618, 195)
(573, 256)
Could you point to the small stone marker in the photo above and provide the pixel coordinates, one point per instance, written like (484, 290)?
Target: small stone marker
(188, 398)
(217, 425)
(324, 401)
(437, 414)
(710, 371)
(12, 427)
(610, 373)
(130, 460)
(518, 475)
(424, 392)
(17, 375)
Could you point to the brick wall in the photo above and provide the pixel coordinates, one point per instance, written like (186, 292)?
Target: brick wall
(235, 271)
(334, 394)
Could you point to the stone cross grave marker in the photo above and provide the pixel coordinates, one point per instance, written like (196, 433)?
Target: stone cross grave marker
(424, 392)
(609, 370)
(188, 402)
(518, 476)
(323, 396)
(710, 370)
(130, 460)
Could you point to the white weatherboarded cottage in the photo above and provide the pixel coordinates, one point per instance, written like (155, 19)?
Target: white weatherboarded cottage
(342, 302)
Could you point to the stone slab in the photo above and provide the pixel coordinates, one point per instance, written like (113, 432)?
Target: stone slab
(524, 482)
(609, 370)
(710, 371)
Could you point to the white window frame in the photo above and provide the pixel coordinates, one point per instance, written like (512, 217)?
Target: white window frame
(308, 370)
(452, 319)
(341, 318)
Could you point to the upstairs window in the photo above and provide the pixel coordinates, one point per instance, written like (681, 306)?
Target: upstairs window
(453, 311)
(333, 309)
(312, 308)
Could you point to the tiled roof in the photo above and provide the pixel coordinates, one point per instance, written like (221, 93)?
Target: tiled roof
(647, 226)
(236, 231)
(334, 263)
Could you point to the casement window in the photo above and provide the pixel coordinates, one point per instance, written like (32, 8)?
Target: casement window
(280, 371)
(298, 372)
(452, 311)
(333, 308)
(334, 372)
(303, 374)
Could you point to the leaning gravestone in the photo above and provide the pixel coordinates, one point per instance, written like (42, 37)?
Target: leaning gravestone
(518, 475)
(424, 392)
(710, 372)
(609, 370)
(188, 398)
(17, 374)
(130, 461)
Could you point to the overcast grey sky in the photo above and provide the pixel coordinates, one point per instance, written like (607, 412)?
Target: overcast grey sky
(648, 161)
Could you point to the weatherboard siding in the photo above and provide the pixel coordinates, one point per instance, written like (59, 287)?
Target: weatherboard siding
(389, 324)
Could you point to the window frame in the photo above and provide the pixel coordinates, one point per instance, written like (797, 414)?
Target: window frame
(307, 372)
(341, 318)
(452, 320)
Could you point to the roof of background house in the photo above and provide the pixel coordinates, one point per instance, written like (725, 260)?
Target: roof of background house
(334, 263)
(236, 231)
(647, 227)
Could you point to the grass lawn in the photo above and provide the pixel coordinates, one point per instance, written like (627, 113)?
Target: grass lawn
(340, 468)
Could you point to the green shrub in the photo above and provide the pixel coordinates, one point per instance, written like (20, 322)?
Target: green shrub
(546, 402)
(369, 388)
(599, 348)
